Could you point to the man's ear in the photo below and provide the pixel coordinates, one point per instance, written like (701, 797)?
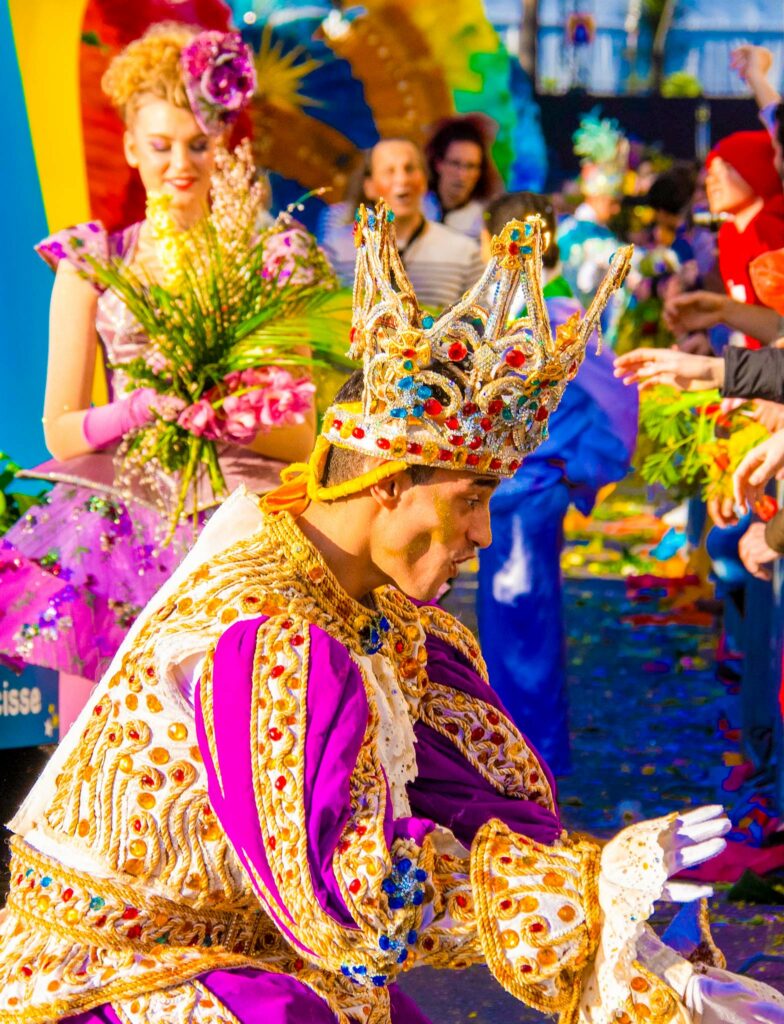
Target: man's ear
(129, 148)
(388, 492)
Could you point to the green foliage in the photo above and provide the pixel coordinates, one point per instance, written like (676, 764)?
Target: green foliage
(674, 428)
(688, 446)
(13, 504)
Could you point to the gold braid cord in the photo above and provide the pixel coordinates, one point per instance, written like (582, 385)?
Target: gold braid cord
(538, 915)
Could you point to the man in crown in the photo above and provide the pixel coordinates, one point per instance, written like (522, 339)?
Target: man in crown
(294, 782)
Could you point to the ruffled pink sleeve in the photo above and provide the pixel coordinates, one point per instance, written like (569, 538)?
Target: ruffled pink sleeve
(75, 244)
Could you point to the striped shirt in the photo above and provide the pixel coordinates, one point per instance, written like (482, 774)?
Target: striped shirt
(441, 263)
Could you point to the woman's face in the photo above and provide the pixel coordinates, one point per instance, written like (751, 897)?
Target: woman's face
(172, 154)
(727, 192)
(459, 173)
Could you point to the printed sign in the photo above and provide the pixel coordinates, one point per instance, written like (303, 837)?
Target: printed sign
(28, 707)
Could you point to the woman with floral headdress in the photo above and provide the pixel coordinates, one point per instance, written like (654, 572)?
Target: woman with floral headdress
(77, 570)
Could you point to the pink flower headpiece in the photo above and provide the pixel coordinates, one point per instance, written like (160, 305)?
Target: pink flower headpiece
(219, 78)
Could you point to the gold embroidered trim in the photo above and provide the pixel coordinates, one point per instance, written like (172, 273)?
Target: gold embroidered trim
(446, 627)
(538, 915)
(487, 740)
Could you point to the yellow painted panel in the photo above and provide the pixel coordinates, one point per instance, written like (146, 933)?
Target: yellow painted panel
(47, 35)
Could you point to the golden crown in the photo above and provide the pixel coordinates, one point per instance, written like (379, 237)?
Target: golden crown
(466, 389)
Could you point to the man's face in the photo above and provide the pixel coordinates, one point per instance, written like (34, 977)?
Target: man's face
(458, 173)
(420, 543)
(397, 176)
(727, 192)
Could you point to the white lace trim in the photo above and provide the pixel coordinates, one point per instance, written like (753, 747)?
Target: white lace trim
(396, 730)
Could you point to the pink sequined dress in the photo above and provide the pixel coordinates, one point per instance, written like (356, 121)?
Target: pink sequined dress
(75, 571)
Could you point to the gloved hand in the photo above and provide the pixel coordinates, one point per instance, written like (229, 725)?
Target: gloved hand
(635, 871)
(645, 856)
(105, 424)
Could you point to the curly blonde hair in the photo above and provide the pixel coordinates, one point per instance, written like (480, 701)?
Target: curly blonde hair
(149, 66)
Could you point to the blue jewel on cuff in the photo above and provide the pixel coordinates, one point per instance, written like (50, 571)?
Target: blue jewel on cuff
(418, 411)
(405, 383)
(399, 412)
(424, 392)
(427, 322)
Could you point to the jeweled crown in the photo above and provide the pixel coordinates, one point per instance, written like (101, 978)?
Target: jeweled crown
(466, 389)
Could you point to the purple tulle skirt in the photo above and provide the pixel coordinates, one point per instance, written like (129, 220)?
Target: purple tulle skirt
(74, 574)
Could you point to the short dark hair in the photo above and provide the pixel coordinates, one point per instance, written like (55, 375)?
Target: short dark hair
(344, 464)
(463, 129)
(518, 206)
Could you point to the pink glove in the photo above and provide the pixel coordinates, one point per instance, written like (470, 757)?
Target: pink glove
(106, 424)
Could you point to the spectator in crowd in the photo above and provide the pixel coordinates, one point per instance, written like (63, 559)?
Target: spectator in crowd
(462, 176)
(742, 181)
(441, 263)
(592, 437)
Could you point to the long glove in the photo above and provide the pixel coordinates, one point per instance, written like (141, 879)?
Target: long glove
(105, 424)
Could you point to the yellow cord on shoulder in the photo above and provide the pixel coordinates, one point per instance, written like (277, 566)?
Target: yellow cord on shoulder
(300, 482)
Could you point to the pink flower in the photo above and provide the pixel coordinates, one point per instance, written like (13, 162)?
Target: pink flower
(286, 255)
(199, 419)
(240, 421)
(286, 401)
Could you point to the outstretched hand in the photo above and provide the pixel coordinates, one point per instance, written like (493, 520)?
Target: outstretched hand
(759, 466)
(644, 857)
(682, 370)
(693, 311)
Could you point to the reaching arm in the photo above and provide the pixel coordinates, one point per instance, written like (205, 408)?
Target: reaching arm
(697, 311)
(753, 64)
(69, 376)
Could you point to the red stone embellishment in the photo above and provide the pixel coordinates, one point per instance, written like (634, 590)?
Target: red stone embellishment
(277, 671)
(457, 351)
(486, 423)
(415, 448)
(513, 248)
(383, 444)
(495, 407)
(453, 423)
(456, 439)
(495, 464)
(275, 734)
(280, 782)
(433, 407)
(472, 460)
(67, 894)
(130, 914)
(541, 413)
(445, 455)
(297, 640)
(358, 432)
(514, 358)
(474, 443)
(355, 885)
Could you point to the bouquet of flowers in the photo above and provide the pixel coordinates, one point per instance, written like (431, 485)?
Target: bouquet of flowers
(232, 315)
(688, 445)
